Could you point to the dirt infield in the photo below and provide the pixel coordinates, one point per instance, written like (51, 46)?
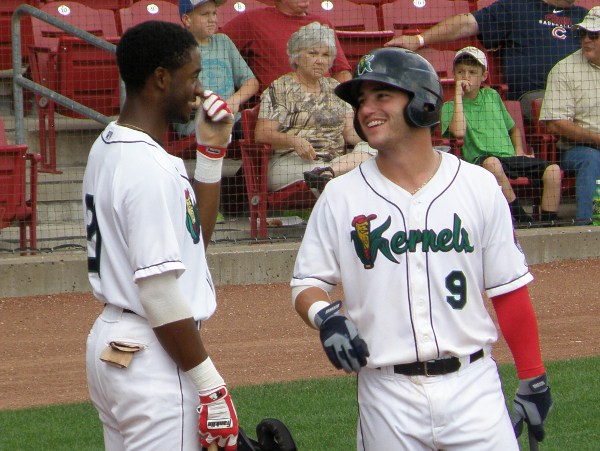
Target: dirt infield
(255, 336)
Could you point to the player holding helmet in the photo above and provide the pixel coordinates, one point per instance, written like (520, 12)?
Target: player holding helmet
(416, 236)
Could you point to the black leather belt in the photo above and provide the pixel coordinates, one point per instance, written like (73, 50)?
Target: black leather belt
(434, 367)
(124, 310)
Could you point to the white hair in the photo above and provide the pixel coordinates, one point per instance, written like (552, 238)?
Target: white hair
(310, 36)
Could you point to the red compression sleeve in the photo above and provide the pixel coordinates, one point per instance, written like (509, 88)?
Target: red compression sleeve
(520, 330)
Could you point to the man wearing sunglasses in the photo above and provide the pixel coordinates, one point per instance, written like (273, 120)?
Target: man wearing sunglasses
(571, 110)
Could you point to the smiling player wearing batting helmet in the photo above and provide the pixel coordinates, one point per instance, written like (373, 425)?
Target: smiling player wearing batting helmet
(416, 237)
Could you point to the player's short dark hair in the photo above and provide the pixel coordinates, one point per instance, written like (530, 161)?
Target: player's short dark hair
(149, 45)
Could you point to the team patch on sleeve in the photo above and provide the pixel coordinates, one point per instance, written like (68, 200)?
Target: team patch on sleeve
(192, 219)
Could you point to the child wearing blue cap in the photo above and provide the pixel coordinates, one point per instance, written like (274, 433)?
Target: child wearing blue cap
(224, 71)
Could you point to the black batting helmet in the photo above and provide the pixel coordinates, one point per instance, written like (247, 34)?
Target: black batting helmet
(402, 69)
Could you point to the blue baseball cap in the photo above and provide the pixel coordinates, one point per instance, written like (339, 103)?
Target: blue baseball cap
(185, 6)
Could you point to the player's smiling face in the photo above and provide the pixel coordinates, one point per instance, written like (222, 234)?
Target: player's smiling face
(381, 114)
(184, 89)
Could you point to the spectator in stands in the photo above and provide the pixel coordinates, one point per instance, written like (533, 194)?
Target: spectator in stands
(261, 36)
(224, 71)
(308, 126)
(491, 139)
(572, 110)
(532, 36)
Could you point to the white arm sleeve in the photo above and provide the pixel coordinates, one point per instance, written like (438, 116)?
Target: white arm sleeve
(162, 299)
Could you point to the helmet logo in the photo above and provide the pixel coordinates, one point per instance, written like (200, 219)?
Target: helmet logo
(364, 65)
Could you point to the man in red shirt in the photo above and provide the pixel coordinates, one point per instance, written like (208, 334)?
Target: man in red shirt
(261, 36)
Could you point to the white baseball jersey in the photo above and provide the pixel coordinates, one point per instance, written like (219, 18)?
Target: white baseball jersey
(414, 267)
(142, 220)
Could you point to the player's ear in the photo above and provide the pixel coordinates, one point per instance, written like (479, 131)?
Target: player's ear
(485, 75)
(161, 77)
(186, 20)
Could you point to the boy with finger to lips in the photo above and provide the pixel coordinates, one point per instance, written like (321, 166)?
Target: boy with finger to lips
(492, 140)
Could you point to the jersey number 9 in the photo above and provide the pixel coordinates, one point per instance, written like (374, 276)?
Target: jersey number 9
(456, 283)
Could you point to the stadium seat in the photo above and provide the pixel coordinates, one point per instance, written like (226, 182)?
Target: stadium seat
(73, 68)
(234, 8)
(255, 164)
(405, 18)
(18, 191)
(113, 5)
(345, 15)
(145, 10)
(355, 44)
(442, 61)
(588, 4)
(480, 4)
(522, 186)
(546, 143)
(7, 8)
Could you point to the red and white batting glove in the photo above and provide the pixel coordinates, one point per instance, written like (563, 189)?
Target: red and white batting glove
(215, 107)
(214, 122)
(218, 419)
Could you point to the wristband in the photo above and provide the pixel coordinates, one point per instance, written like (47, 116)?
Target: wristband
(421, 40)
(209, 163)
(314, 309)
(205, 376)
(211, 151)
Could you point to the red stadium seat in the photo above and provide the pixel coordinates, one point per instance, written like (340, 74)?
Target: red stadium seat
(546, 143)
(113, 5)
(233, 8)
(7, 8)
(145, 10)
(406, 18)
(73, 68)
(442, 61)
(588, 4)
(523, 186)
(18, 192)
(355, 44)
(345, 15)
(255, 163)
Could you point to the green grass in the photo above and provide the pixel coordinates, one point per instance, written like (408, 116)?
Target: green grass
(320, 413)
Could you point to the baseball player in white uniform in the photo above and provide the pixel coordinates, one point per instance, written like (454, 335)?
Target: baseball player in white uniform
(148, 372)
(416, 237)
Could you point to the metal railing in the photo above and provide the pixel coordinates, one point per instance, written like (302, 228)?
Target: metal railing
(20, 82)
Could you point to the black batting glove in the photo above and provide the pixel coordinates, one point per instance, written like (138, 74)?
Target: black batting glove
(532, 404)
(340, 339)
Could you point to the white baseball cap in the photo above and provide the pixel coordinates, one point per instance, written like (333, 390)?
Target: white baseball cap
(185, 6)
(475, 53)
(591, 22)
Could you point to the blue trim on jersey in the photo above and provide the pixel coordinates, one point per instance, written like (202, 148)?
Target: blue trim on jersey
(158, 264)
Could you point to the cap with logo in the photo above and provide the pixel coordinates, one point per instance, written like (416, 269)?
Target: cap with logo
(591, 21)
(475, 53)
(185, 6)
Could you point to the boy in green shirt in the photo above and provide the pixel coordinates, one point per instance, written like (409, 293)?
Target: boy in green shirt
(491, 139)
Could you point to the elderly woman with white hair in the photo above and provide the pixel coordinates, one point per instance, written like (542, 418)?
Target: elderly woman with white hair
(308, 126)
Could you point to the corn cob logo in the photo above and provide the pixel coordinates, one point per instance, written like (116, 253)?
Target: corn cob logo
(367, 242)
(364, 65)
(192, 217)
